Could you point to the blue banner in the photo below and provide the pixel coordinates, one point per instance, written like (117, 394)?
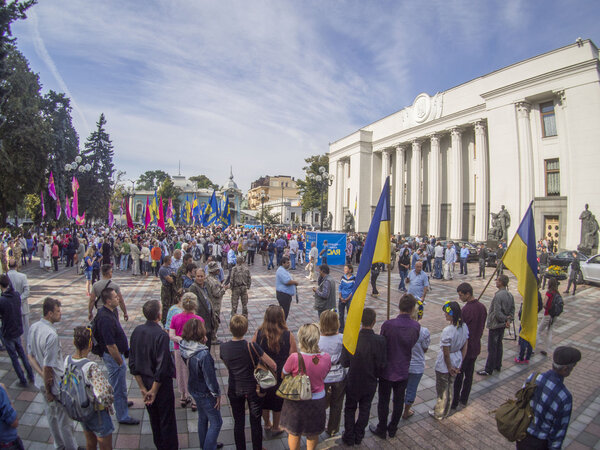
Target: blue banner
(336, 246)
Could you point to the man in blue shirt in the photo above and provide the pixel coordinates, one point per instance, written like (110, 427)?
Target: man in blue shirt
(551, 403)
(8, 422)
(280, 246)
(464, 254)
(285, 286)
(418, 282)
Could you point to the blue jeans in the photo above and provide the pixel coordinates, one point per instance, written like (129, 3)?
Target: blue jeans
(124, 262)
(271, 266)
(117, 377)
(463, 265)
(209, 422)
(437, 266)
(411, 388)
(293, 260)
(15, 351)
(403, 274)
(342, 307)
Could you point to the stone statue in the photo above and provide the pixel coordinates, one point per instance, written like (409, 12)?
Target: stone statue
(348, 221)
(495, 232)
(327, 222)
(589, 232)
(504, 218)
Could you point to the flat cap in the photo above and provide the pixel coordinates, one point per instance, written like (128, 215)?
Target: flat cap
(564, 356)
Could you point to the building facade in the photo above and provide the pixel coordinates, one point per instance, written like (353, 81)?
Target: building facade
(526, 132)
(272, 188)
(188, 190)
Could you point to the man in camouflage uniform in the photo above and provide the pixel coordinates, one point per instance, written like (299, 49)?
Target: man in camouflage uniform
(215, 291)
(187, 259)
(240, 283)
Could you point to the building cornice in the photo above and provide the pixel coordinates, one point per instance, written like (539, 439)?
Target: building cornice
(545, 77)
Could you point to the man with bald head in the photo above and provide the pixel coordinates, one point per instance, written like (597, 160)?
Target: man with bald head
(418, 282)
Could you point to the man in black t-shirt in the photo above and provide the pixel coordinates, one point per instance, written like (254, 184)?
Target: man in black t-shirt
(113, 344)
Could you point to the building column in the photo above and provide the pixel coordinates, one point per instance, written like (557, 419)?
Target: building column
(399, 191)
(339, 196)
(385, 166)
(435, 192)
(346, 186)
(456, 180)
(526, 177)
(416, 197)
(482, 199)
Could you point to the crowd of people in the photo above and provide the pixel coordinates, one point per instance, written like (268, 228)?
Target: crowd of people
(195, 269)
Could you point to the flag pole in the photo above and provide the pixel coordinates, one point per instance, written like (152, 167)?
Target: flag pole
(389, 291)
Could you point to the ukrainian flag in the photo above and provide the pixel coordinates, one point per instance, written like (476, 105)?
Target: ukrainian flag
(212, 209)
(226, 218)
(195, 209)
(376, 250)
(521, 260)
(188, 210)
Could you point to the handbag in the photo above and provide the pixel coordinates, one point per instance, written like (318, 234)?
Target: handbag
(296, 387)
(263, 375)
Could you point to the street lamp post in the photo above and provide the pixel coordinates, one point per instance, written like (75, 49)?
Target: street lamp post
(323, 181)
(263, 199)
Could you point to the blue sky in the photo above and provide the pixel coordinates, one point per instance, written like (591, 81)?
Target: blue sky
(261, 85)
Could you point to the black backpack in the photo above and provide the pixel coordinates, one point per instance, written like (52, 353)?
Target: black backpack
(557, 306)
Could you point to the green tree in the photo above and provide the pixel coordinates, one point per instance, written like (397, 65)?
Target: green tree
(168, 190)
(203, 182)
(310, 190)
(95, 186)
(151, 179)
(24, 135)
(32, 207)
(64, 145)
(267, 216)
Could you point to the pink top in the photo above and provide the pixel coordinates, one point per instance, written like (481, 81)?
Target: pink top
(316, 372)
(178, 321)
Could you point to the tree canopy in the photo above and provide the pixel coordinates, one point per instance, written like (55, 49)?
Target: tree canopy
(168, 190)
(203, 182)
(151, 180)
(310, 190)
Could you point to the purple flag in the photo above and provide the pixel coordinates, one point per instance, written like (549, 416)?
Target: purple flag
(42, 202)
(51, 188)
(67, 207)
(111, 217)
(58, 209)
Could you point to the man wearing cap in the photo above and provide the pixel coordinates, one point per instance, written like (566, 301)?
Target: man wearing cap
(215, 291)
(551, 403)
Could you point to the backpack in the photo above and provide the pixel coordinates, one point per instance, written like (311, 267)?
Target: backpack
(514, 416)
(556, 308)
(73, 393)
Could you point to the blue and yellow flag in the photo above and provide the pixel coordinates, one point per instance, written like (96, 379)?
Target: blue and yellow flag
(376, 250)
(154, 207)
(188, 210)
(226, 214)
(521, 260)
(195, 209)
(212, 209)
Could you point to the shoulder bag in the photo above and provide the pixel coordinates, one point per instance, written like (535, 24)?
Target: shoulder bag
(263, 375)
(296, 387)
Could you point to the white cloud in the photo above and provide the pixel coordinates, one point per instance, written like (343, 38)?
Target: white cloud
(258, 85)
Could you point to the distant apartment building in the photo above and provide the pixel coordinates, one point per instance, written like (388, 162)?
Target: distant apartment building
(272, 188)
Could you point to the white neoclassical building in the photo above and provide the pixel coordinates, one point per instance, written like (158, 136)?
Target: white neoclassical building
(529, 131)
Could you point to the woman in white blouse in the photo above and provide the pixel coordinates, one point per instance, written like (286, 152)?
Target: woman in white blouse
(453, 347)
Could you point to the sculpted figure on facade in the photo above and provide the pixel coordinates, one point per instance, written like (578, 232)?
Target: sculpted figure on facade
(589, 232)
(504, 218)
(348, 221)
(495, 232)
(327, 221)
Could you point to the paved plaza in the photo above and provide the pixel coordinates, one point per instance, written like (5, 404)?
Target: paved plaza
(472, 427)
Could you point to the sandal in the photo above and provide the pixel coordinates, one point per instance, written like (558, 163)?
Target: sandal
(408, 415)
(183, 402)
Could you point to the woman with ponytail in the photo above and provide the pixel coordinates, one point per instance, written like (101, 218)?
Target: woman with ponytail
(453, 347)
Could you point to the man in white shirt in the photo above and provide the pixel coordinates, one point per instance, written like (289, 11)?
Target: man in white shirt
(449, 260)
(313, 255)
(21, 285)
(293, 245)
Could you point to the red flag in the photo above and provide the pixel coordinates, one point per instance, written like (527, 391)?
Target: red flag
(161, 217)
(128, 214)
